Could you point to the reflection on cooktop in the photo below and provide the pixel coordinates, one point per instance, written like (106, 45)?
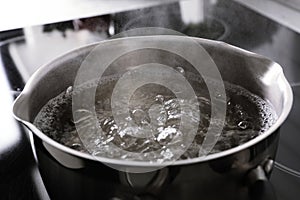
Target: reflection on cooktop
(289, 146)
(285, 177)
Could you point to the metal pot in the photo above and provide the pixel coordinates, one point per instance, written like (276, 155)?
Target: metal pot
(248, 163)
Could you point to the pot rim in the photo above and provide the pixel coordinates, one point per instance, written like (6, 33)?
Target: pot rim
(287, 105)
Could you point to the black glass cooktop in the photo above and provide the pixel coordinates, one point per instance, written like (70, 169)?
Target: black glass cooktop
(23, 51)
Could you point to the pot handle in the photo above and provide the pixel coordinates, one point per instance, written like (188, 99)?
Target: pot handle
(150, 183)
(153, 183)
(260, 187)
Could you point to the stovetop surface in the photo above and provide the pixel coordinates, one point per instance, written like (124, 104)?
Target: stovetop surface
(20, 177)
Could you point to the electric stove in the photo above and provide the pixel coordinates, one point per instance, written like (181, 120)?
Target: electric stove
(22, 51)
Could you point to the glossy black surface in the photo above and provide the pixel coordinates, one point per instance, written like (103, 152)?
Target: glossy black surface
(21, 179)
(18, 167)
(285, 184)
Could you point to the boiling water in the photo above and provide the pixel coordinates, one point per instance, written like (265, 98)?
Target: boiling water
(151, 130)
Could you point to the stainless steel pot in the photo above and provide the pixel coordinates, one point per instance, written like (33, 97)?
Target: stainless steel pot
(243, 164)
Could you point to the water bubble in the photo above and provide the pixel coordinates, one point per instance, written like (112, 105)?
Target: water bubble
(167, 132)
(240, 113)
(108, 140)
(132, 131)
(180, 70)
(114, 127)
(218, 96)
(167, 154)
(157, 114)
(159, 98)
(160, 129)
(174, 104)
(69, 90)
(228, 103)
(243, 124)
(173, 112)
(139, 115)
(76, 146)
(204, 100)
